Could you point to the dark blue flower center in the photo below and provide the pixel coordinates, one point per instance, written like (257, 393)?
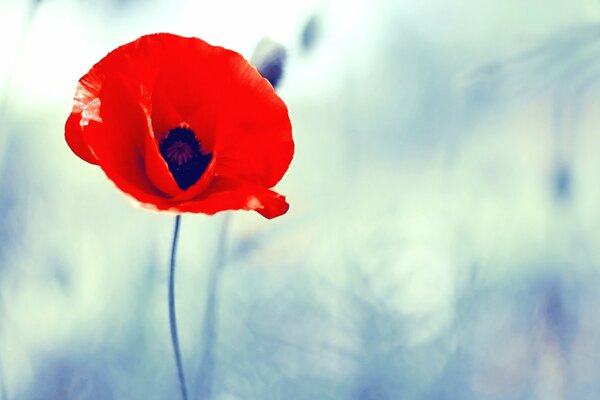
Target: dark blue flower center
(182, 152)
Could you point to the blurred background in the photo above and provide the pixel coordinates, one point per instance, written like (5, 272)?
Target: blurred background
(442, 240)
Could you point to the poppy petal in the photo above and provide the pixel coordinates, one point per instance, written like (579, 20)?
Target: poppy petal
(226, 193)
(134, 64)
(254, 141)
(157, 169)
(75, 140)
(118, 142)
(186, 91)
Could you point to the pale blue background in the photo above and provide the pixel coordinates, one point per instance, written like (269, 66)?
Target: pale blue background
(442, 241)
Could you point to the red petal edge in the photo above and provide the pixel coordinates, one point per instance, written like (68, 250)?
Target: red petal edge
(255, 141)
(75, 140)
(232, 194)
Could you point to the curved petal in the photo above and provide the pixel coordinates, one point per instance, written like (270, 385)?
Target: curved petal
(233, 194)
(157, 169)
(254, 138)
(75, 139)
(119, 144)
(134, 65)
(187, 90)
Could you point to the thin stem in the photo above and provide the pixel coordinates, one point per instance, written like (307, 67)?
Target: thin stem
(172, 314)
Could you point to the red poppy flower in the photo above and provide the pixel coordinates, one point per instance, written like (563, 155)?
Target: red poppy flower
(183, 126)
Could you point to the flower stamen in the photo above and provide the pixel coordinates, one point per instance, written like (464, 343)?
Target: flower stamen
(182, 152)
